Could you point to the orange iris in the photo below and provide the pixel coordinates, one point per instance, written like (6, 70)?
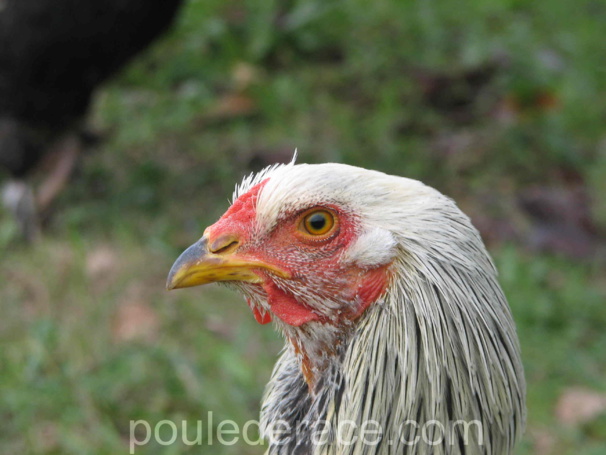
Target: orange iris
(318, 223)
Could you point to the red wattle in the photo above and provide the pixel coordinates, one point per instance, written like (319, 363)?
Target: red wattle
(287, 308)
(262, 317)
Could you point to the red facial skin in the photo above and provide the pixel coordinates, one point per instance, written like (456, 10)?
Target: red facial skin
(239, 217)
(315, 264)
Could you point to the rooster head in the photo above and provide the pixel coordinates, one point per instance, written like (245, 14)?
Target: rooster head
(299, 249)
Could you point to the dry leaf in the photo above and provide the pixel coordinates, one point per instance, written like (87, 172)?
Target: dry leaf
(543, 441)
(577, 406)
(135, 320)
(244, 75)
(230, 106)
(100, 262)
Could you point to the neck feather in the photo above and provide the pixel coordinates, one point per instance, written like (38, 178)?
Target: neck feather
(439, 346)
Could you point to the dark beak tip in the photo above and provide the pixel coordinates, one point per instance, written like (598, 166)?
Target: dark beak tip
(170, 280)
(190, 255)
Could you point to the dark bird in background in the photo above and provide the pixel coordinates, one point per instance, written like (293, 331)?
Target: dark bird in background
(53, 55)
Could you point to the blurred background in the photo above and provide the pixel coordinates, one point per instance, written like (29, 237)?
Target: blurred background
(501, 104)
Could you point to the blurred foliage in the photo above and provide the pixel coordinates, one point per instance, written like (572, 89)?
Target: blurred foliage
(464, 96)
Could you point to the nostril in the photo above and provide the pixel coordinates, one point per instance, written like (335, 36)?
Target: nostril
(224, 244)
(227, 248)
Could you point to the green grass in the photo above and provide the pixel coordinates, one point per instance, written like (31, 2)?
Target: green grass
(335, 79)
(71, 383)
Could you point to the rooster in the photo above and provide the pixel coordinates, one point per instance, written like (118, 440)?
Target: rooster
(393, 318)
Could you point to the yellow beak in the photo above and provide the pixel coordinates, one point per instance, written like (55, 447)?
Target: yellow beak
(197, 265)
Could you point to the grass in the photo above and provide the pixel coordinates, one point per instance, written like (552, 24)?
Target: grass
(89, 339)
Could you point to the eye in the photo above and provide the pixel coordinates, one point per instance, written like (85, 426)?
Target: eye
(318, 223)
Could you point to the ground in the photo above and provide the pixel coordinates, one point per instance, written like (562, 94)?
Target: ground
(495, 103)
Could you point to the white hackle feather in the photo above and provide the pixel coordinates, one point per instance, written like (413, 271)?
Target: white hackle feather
(439, 345)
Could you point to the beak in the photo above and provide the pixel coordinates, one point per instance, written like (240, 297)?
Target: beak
(197, 265)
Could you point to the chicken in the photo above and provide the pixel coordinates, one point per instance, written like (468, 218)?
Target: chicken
(398, 336)
(53, 55)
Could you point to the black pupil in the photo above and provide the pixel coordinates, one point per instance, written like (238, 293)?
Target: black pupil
(317, 222)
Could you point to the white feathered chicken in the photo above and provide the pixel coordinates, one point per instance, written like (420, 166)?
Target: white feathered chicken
(399, 339)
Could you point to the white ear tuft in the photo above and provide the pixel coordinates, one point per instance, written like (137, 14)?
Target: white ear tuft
(373, 248)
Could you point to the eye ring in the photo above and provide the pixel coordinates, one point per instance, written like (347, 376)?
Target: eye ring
(318, 223)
